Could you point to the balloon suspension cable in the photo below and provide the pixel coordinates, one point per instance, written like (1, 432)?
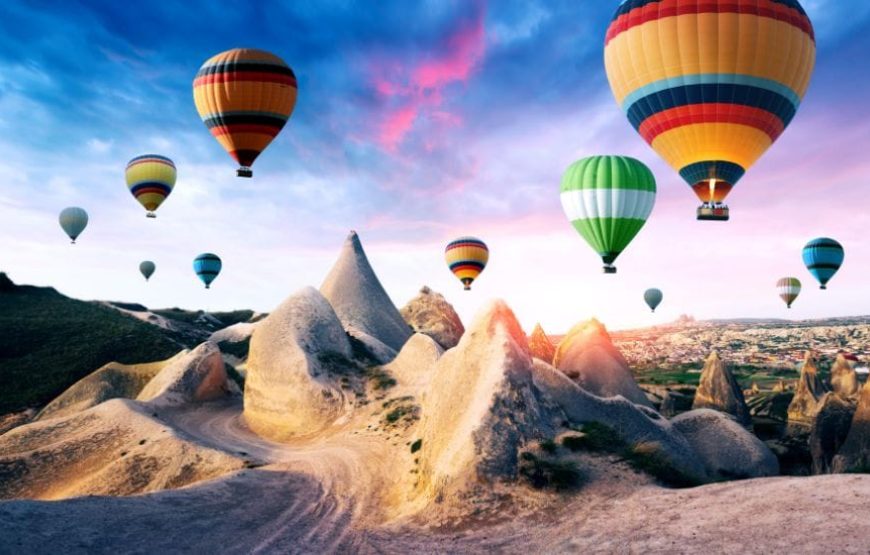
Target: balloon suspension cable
(467, 283)
(244, 171)
(73, 242)
(207, 286)
(150, 215)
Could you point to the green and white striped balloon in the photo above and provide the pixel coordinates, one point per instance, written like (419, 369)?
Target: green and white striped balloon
(608, 200)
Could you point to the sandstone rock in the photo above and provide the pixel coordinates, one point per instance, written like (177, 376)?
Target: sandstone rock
(587, 356)
(674, 403)
(634, 424)
(291, 385)
(719, 390)
(359, 299)
(116, 448)
(415, 364)
(540, 345)
(112, 381)
(431, 314)
(726, 448)
(844, 379)
(854, 456)
(829, 430)
(15, 419)
(197, 376)
(480, 408)
(808, 392)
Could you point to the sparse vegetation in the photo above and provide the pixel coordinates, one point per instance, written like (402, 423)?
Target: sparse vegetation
(238, 349)
(647, 457)
(234, 375)
(547, 473)
(401, 409)
(416, 446)
(548, 446)
(380, 377)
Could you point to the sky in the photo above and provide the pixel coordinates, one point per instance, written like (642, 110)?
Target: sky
(416, 122)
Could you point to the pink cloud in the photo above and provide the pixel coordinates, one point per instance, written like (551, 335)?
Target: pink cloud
(414, 91)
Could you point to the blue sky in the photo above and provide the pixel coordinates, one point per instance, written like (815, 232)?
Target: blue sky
(416, 122)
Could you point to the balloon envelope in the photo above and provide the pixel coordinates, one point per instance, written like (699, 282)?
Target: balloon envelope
(245, 96)
(710, 84)
(789, 288)
(146, 268)
(823, 257)
(466, 257)
(653, 298)
(73, 220)
(150, 178)
(207, 267)
(608, 200)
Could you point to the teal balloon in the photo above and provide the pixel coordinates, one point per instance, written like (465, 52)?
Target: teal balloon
(207, 267)
(653, 298)
(146, 268)
(73, 221)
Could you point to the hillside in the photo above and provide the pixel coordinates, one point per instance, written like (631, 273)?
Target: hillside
(49, 341)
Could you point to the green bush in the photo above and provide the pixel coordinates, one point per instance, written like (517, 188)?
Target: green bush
(550, 474)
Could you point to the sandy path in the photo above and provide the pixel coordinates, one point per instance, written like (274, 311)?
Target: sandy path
(318, 496)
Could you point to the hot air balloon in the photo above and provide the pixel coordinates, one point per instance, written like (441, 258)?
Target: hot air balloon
(608, 199)
(466, 257)
(151, 178)
(711, 84)
(73, 220)
(653, 298)
(245, 96)
(146, 268)
(823, 257)
(789, 288)
(207, 266)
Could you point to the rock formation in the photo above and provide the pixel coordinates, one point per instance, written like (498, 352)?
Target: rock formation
(119, 447)
(719, 390)
(415, 363)
(6, 284)
(291, 385)
(197, 376)
(587, 356)
(430, 313)
(844, 379)
(359, 299)
(854, 456)
(829, 430)
(540, 345)
(808, 392)
(673, 403)
(112, 381)
(726, 448)
(480, 407)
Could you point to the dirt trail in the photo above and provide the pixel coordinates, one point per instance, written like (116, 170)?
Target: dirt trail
(321, 495)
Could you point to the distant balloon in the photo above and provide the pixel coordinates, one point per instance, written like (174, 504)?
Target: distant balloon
(466, 257)
(207, 266)
(823, 257)
(245, 96)
(789, 288)
(710, 85)
(653, 298)
(608, 199)
(73, 221)
(151, 178)
(147, 269)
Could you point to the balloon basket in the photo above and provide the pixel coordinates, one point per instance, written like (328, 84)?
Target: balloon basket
(150, 215)
(608, 269)
(714, 213)
(244, 171)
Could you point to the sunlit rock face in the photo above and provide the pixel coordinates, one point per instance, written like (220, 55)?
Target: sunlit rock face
(540, 345)
(587, 355)
(809, 391)
(292, 385)
(430, 313)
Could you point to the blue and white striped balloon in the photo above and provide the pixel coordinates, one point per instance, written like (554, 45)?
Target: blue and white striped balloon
(823, 257)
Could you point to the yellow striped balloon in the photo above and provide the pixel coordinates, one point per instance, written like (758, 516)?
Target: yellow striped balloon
(151, 178)
(245, 96)
(466, 257)
(710, 84)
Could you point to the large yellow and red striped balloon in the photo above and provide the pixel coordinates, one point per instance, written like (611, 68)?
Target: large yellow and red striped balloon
(466, 257)
(245, 96)
(710, 84)
(150, 178)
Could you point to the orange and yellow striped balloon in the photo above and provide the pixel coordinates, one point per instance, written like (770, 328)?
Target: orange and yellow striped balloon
(150, 178)
(466, 257)
(245, 96)
(710, 84)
